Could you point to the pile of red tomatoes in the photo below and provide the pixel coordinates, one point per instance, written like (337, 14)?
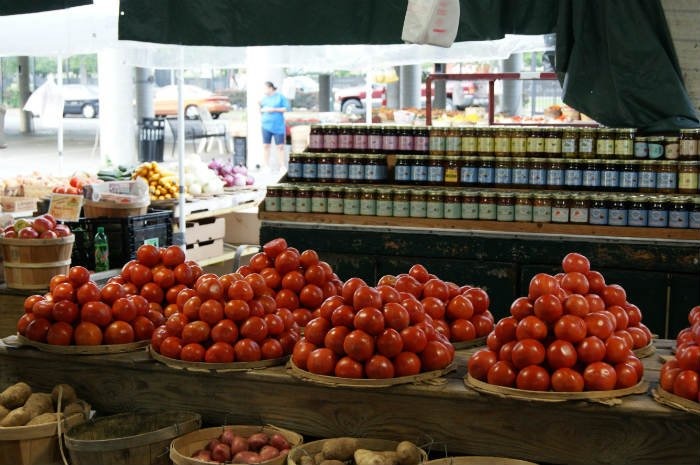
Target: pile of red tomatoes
(681, 375)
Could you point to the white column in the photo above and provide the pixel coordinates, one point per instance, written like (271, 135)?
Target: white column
(118, 128)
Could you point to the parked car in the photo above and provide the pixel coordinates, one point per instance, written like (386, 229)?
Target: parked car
(165, 102)
(79, 99)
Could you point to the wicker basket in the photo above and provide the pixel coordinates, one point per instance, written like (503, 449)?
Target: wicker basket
(31, 263)
(92, 209)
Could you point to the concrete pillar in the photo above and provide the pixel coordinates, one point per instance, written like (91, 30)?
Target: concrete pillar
(393, 97)
(440, 90)
(26, 123)
(118, 130)
(409, 77)
(325, 93)
(144, 93)
(512, 89)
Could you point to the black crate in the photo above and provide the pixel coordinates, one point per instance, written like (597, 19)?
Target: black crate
(124, 236)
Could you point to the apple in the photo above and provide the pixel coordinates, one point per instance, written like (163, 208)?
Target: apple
(41, 225)
(51, 219)
(48, 235)
(62, 230)
(10, 234)
(9, 228)
(21, 224)
(28, 233)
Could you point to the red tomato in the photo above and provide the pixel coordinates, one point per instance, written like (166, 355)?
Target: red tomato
(143, 328)
(301, 352)
(595, 303)
(506, 351)
(173, 256)
(119, 332)
(224, 331)
(314, 274)
(316, 329)
(78, 275)
(311, 296)
(321, 361)
(349, 368)
(531, 327)
(164, 277)
(302, 316)
(521, 307)
(533, 378)
(259, 262)
(286, 298)
(459, 307)
(287, 317)
(542, 284)
(561, 354)
(548, 308)
(60, 333)
(567, 380)
(274, 247)
(148, 255)
(286, 261)
(379, 367)
(183, 274)
(435, 356)
(389, 343)
(416, 313)
(192, 352)
(483, 322)
(577, 305)
(334, 339)
(599, 325)
(142, 305)
(369, 320)
(32, 299)
(87, 334)
(626, 375)
(407, 364)
(344, 315)
(414, 339)
(462, 330)
(220, 352)
(247, 350)
(43, 308)
(527, 352)
(407, 283)
(96, 312)
(175, 323)
(590, 350)
(616, 350)
(359, 345)
(111, 292)
(158, 336)
(63, 291)
(365, 296)
(599, 376)
(388, 294)
(294, 281)
(24, 321)
(614, 294)
(211, 311)
(254, 328)
(575, 282)
(501, 374)
(434, 307)
(688, 358)
(667, 378)
(436, 288)
(56, 280)
(271, 348)
(396, 316)
(570, 328)
(419, 273)
(65, 311)
(195, 331)
(308, 258)
(480, 363)
(140, 274)
(621, 317)
(479, 299)
(123, 309)
(639, 337)
(634, 315)
(275, 324)
(687, 384)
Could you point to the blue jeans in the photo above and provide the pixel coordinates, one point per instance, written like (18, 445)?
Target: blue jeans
(268, 136)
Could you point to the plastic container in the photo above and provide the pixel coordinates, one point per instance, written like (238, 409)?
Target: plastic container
(101, 250)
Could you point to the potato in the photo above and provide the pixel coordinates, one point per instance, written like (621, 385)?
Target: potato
(339, 449)
(3, 412)
(257, 440)
(318, 458)
(18, 417)
(15, 396)
(50, 417)
(408, 453)
(67, 396)
(73, 408)
(38, 403)
(247, 457)
(369, 457)
(306, 460)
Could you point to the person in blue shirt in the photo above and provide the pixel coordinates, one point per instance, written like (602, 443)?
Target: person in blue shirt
(273, 105)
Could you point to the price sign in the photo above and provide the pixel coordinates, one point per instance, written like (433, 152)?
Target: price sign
(66, 207)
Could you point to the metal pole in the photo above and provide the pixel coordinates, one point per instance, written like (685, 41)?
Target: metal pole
(179, 238)
(59, 72)
(368, 96)
(26, 125)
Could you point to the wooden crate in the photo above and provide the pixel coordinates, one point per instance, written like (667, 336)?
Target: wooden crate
(18, 204)
(205, 229)
(205, 250)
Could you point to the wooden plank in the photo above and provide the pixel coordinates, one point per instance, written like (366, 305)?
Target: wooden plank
(10, 311)
(683, 23)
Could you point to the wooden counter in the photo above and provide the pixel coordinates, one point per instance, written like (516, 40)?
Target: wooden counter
(450, 416)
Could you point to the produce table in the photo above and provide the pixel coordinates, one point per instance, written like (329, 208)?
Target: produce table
(448, 415)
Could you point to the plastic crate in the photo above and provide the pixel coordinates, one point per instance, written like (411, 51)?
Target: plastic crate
(124, 236)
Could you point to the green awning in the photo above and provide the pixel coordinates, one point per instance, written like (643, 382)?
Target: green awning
(20, 7)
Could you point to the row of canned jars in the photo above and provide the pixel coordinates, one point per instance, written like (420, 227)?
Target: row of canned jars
(665, 176)
(596, 209)
(504, 141)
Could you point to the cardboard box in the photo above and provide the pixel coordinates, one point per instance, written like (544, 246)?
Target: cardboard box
(204, 230)
(243, 227)
(18, 204)
(205, 250)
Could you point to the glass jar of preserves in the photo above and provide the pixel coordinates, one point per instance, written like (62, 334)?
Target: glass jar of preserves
(401, 206)
(587, 143)
(688, 144)
(694, 217)
(309, 167)
(390, 139)
(605, 143)
(335, 200)
(402, 169)
(345, 136)
(590, 174)
(521, 172)
(688, 177)
(452, 171)
(679, 212)
(316, 138)
(598, 210)
(505, 207)
(552, 142)
(330, 138)
(560, 208)
(523, 207)
(453, 205)
(319, 199)
(637, 211)
(647, 176)
(579, 209)
(435, 204)
(421, 140)
(537, 172)
(436, 170)
(542, 208)
(501, 142)
(437, 141)
(376, 169)
(469, 145)
(617, 210)
(469, 172)
(487, 206)
(294, 167)
(535, 142)
(555, 173)
(453, 141)
(666, 177)
(418, 207)
(405, 134)
(629, 175)
(573, 174)
(518, 142)
(272, 198)
(658, 212)
(485, 141)
(470, 205)
(641, 148)
(419, 169)
(671, 148)
(351, 201)
(368, 201)
(655, 145)
(569, 142)
(356, 168)
(360, 143)
(385, 202)
(610, 176)
(324, 167)
(624, 143)
(486, 171)
(374, 138)
(340, 167)
(302, 202)
(288, 198)
(502, 172)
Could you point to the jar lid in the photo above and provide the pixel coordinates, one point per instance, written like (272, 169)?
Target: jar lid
(611, 162)
(368, 190)
(606, 130)
(452, 158)
(523, 195)
(418, 192)
(562, 196)
(330, 126)
(385, 190)
(570, 129)
(681, 199)
(688, 130)
(600, 197)
(336, 189)
(487, 158)
(640, 138)
(520, 160)
(689, 163)
(487, 195)
(304, 188)
(555, 129)
(696, 200)
(311, 155)
(557, 160)
(506, 195)
(289, 187)
(655, 139)
(436, 192)
(627, 131)
(671, 139)
(543, 196)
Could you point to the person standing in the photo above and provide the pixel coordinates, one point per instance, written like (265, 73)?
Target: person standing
(273, 105)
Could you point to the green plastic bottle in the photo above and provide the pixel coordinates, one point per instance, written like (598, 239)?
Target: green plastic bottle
(101, 250)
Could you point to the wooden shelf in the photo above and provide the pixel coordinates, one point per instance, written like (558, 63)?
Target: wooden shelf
(515, 227)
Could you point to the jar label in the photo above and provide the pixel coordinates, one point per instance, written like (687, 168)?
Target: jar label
(521, 176)
(585, 145)
(485, 175)
(419, 173)
(502, 175)
(598, 216)
(568, 145)
(552, 145)
(505, 213)
(294, 170)
(318, 204)
(555, 177)
(573, 177)
(287, 204)
(487, 211)
(518, 145)
(542, 214)
(324, 171)
(309, 170)
(579, 215)
(637, 217)
(678, 219)
(671, 151)
(647, 179)
(345, 141)
(688, 148)
(694, 220)
(470, 211)
(485, 144)
(523, 213)
(401, 208)
(420, 144)
(340, 171)
(624, 147)
(356, 172)
(617, 217)
(656, 150)
(535, 144)
(335, 205)
(374, 142)
(437, 144)
(605, 147)
(451, 176)
(641, 149)
(272, 204)
(330, 142)
(501, 145)
(418, 209)
(666, 180)
(630, 180)
(405, 144)
(453, 211)
(402, 173)
(390, 143)
(453, 144)
(611, 179)
(436, 174)
(384, 208)
(351, 207)
(359, 142)
(316, 142)
(658, 218)
(469, 175)
(591, 178)
(469, 144)
(688, 181)
(537, 177)
(435, 210)
(302, 205)
(560, 215)
(368, 207)
(373, 173)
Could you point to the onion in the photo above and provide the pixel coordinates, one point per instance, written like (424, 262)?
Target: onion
(249, 180)
(239, 179)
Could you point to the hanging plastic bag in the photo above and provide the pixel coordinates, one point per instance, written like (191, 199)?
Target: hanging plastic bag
(433, 22)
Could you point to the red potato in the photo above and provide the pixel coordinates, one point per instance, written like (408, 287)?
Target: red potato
(257, 440)
(268, 452)
(203, 455)
(279, 441)
(221, 453)
(247, 457)
(212, 444)
(239, 444)
(227, 437)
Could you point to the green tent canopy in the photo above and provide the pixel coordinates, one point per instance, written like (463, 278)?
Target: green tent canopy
(19, 7)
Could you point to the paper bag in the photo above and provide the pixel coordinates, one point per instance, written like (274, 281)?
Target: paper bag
(433, 22)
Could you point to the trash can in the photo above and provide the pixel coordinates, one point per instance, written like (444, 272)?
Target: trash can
(240, 151)
(151, 139)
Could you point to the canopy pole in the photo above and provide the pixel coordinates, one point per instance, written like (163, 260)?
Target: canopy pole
(368, 96)
(180, 240)
(59, 72)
